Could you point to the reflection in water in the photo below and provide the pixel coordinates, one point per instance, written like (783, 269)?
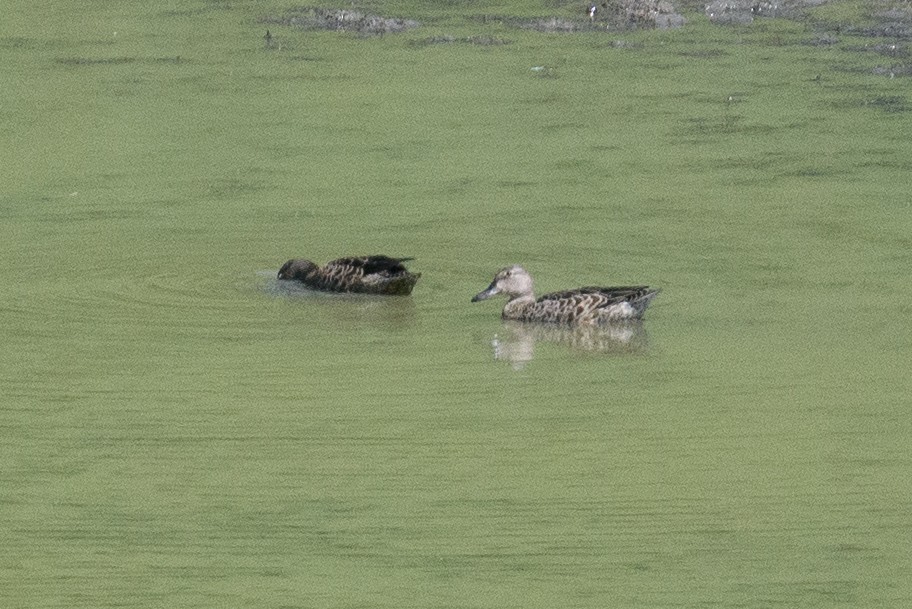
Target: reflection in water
(516, 344)
(378, 311)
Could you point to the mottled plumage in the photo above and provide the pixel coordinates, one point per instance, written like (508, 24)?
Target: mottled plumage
(583, 306)
(363, 274)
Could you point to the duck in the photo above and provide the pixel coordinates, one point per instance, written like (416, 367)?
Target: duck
(362, 274)
(582, 306)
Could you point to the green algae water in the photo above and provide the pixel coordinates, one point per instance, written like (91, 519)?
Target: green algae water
(178, 429)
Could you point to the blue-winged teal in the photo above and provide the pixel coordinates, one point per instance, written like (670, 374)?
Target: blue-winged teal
(582, 306)
(363, 274)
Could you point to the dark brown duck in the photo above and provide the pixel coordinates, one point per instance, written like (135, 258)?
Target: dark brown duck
(361, 274)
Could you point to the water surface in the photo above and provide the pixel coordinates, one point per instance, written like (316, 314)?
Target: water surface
(180, 429)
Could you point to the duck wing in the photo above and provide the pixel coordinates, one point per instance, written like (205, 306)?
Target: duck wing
(367, 265)
(591, 303)
(602, 296)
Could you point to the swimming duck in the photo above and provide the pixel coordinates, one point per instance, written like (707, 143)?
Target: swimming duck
(363, 274)
(583, 306)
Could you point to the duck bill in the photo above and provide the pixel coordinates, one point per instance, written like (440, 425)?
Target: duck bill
(491, 291)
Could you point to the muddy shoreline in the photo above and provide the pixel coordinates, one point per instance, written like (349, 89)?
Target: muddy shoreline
(886, 20)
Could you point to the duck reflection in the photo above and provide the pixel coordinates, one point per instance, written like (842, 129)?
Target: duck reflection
(516, 343)
(346, 309)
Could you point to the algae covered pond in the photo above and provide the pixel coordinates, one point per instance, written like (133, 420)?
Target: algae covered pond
(179, 429)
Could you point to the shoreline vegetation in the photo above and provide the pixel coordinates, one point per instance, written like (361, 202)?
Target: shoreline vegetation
(874, 19)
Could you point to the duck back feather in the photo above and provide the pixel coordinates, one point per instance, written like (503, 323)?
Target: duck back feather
(361, 274)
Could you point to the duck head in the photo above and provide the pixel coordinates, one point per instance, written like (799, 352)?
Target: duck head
(513, 281)
(297, 268)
